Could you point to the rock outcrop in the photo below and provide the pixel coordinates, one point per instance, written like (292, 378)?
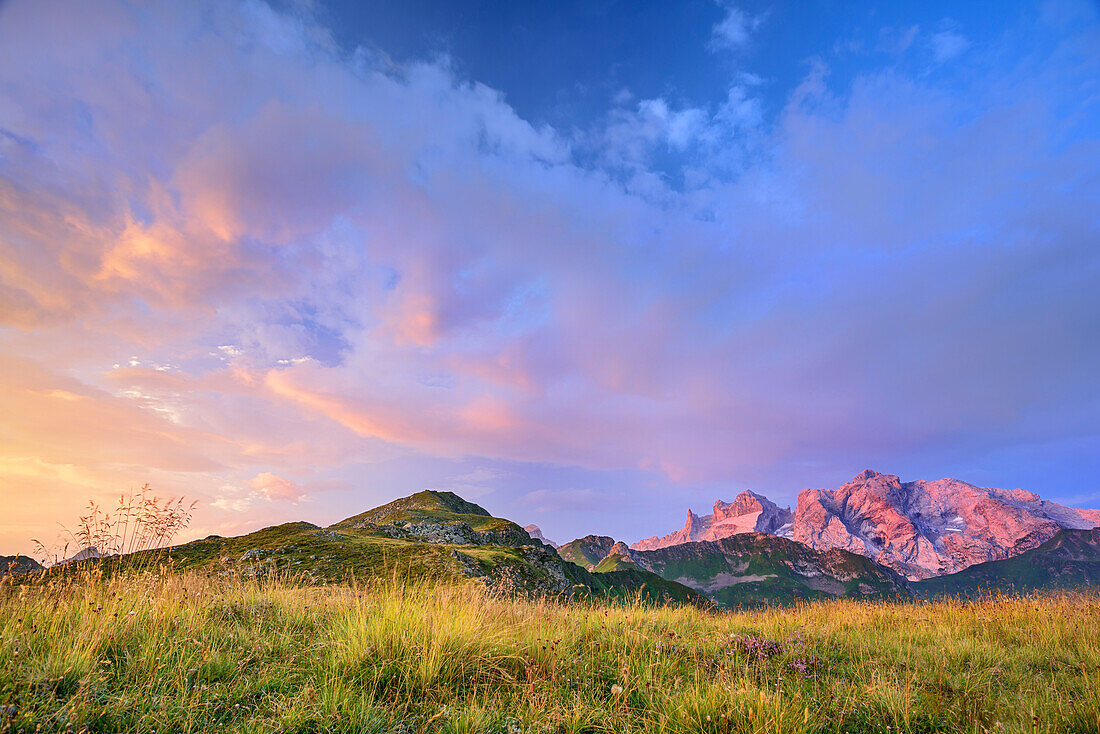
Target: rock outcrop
(748, 513)
(929, 528)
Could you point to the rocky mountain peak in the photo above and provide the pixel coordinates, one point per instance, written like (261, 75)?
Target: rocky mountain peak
(587, 551)
(928, 528)
(918, 529)
(869, 474)
(743, 504)
(619, 549)
(748, 513)
(692, 522)
(536, 533)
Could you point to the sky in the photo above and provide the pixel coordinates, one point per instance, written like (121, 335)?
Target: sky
(588, 264)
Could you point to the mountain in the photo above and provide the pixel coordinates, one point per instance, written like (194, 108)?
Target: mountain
(920, 529)
(930, 528)
(13, 565)
(748, 513)
(84, 555)
(1070, 559)
(536, 532)
(429, 534)
(586, 552)
(749, 569)
(617, 558)
(438, 517)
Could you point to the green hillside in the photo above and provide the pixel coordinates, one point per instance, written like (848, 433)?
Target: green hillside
(588, 551)
(1069, 560)
(430, 535)
(614, 562)
(751, 569)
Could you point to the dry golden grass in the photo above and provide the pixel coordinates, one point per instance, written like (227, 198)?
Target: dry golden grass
(149, 652)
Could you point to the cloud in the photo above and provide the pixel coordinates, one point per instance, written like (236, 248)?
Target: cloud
(733, 31)
(714, 140)
(277, 488)
(897, 40)
(946, 45)
(341, 267)
(232, 504)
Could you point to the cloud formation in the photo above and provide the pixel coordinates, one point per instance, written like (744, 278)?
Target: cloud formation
(241, 261)
(947, 45)
(734, 30)
(277, 488)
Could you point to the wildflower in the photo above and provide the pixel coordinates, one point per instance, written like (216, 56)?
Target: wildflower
(759, 647)
(616, 689)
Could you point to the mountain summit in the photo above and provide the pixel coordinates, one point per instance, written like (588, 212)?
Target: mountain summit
(748, 513)
(923, 529)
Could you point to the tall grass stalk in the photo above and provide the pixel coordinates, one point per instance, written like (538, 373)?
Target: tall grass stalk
(139, 521)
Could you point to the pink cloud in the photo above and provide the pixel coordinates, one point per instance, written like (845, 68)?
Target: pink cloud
(277, 488)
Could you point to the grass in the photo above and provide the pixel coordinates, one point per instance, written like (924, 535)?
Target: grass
(191, 652)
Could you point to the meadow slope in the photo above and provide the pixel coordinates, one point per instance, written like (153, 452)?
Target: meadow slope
(191, 652)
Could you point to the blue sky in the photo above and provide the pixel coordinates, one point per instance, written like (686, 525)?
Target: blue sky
(565, 63)
(588, 264)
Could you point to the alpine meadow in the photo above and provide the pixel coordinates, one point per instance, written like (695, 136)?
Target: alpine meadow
(583, 367)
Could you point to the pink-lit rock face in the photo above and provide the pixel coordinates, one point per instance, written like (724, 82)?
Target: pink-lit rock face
(923, 529)
(748, 513)
(620, 549)
(536, 533)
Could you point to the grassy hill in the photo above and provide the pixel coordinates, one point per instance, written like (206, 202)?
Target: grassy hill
(428, 505)
(430, 535)
(1069, 560)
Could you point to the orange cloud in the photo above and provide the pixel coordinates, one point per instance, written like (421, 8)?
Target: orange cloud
(366, 418)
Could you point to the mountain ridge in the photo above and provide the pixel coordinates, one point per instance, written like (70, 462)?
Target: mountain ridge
(749, 512)
(919, 529)
(536, 532)
(439, 534)
(929, 528)
(747, 569)
(1070, 559)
